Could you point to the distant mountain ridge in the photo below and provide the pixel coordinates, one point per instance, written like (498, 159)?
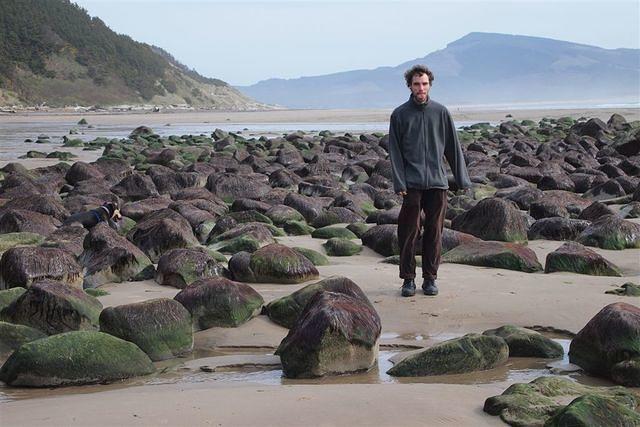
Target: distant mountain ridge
(52, 52)
(479, 68)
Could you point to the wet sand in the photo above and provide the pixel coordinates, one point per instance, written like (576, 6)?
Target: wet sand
(308, 116)
(472, 299)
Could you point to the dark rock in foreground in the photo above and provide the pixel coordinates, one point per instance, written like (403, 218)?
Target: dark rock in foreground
(525, 342)
(493, 219)
(160, 327)
(593, 410)
(472, 352)
(609, 344)
(335, 334)
(533, 404)
(74, 358)
(13, 336)
(383, 239)
(54, 307)
(219, 302)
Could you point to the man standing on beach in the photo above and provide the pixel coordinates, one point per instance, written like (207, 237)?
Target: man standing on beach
(421, 134)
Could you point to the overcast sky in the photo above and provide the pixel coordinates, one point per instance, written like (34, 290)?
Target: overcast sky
(242, 42)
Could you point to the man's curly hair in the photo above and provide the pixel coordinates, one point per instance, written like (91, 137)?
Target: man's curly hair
(418, 70)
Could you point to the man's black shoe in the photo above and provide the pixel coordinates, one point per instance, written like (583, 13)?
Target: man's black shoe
(408, 288)
(429, 287)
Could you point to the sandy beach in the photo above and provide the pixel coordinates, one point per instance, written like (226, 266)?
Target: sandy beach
(307, 116)
(472, 299)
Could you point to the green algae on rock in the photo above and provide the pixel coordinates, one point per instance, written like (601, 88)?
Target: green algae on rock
(180, 267)
(161, 327)
(220, 302)
(472, 352)
(12, 336)
(314, 256)
(337, 246)
(358, 228)
(534, 403)
(335, 334)
(493, 219)
(576, 258)
(611, 232)
(510, 256)
(330, 231)
(10, 295)
(629, 289)
(273, 263)
(525, 342)
(297, 228)
(24, 265)
(593, 410)
(54, 307)
(24, 238)
(284, 311)
(74, 358)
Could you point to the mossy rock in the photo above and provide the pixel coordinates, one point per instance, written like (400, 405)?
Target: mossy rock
(330, 232)
(472, 352)
(575, 258)
(593, 410)
(273, 263)
(160, 327)
(358, 228)
(314, 256)
(534, 403)
(284, 311)
(125, 225)
(95, 292)
(219, 302)
(68, 142)
(510, 256)
(180, 267)
(10, 295)
(297, 228)
(524, 342)
(74, 358)
(611, 232)
(337, 246)
(628, 289)
(54, 307)
(236, 244)
(13, 336)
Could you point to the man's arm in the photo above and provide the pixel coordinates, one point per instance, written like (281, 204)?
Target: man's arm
(395, 154)
(454, 155)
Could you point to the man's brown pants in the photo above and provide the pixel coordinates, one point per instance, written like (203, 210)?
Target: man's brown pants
(434, 204)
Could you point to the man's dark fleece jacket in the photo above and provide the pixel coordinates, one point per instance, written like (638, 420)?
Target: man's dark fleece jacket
(420, 136)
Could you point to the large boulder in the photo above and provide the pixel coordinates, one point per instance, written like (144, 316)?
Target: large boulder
(609, 344)
(525, 342)
(383, 239)
(274, 263)
(54, 307)
(22, 266)
(74, 358)
(510, 256)
(135, 187)
(453, 238)
(45, 204)
(576, 258)
(286, 310)
(534, 404)
(242, 237)
(338, 246)
(109, 257)
(219, 302)
(139, 209)
(69, 238)
(472, 352)
(161, 327)
(181, 267)
(493, 219)
(160, 232)
(335, 334)
(231, 186)
(611, 232)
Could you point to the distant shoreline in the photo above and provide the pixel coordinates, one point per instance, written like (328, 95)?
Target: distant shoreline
(304, 116)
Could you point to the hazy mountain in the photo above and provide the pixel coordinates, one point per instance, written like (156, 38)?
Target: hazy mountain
(479, 68)
(53, 52)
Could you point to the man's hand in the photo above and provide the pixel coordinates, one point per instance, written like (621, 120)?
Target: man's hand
(402, 193)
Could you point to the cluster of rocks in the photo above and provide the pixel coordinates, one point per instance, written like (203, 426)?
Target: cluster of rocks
(190, 202)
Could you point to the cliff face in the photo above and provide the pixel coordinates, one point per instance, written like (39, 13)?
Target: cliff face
(52, 52)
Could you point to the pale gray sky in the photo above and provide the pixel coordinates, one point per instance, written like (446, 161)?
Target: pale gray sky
(243, 41)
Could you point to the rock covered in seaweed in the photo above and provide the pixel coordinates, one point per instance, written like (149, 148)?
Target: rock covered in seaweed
(181, 267)
(273, 263)
(493, 219)
(525, 342)
(510, 256)
(22, 266)
(575, 258)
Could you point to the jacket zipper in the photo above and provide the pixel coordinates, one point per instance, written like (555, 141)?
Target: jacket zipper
(424, 131)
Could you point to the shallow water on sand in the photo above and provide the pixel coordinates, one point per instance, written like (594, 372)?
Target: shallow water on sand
(189, 371)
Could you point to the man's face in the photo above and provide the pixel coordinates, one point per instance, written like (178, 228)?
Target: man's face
(420, 87)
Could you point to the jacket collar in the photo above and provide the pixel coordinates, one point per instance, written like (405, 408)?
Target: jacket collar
(419, 106)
